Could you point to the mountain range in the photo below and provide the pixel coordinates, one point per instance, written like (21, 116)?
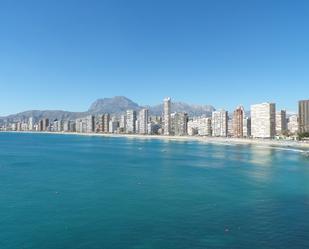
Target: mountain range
(116, 105)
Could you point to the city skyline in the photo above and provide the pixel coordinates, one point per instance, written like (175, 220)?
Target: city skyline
(263, 122)
(60, 55)
(230, 109)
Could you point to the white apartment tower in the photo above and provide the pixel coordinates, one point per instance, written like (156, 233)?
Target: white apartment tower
(122, 124)
(143, 121)
(106, 118)
(281, 122)
(199, 126)
(30, 124)
(293, 124)
(167, 116)
(263, 120)
(90, 123)
(179, 124)
(219, 123)
(247, 127)
(130, 121)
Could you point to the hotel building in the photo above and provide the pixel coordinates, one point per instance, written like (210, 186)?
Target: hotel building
(263, 120)
(303, 116)
(179, 121)
(167, 116)
(281, 122)
(247, 127)
(131, 121)
(293, 124)
(238, 122)
(143, 121)
(106, 119)
(219, 123)
(199, 126)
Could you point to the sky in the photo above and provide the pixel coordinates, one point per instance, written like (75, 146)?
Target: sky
(64, 54)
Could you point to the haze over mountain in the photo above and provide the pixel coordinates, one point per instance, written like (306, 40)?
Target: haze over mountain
(116, 105)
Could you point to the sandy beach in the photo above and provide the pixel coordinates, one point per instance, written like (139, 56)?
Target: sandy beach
(266, 143)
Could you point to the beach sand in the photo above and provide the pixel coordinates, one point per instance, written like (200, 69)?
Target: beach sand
(263, 143)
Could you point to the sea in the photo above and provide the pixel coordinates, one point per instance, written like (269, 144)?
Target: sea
(91, 192)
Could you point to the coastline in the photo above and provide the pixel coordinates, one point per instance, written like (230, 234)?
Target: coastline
(262, 143)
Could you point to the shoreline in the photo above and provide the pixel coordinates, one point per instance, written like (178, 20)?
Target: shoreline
(277, 144)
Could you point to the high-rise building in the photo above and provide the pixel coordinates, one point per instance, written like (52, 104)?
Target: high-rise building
(131, 121)
(106, 119)
(293, 124)
(179, 121)
(199, 126)
(90, 124)
(30, 124)
(40, 125)
(230, 130)
(79, 125)
(281, 122)
(143, 121)
(263, 120)
(247, 127)
(45, 124)
(219, 123)
(99, 123)
(57, 126)
(238, 122)
(167, 116)
(303, 116)
(122, 124)
(113, 126)
(24, 126)
(66, 126)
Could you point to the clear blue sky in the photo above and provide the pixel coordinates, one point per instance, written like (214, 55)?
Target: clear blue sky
(61, 54)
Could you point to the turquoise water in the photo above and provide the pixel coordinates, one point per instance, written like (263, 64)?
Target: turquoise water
(60, 191)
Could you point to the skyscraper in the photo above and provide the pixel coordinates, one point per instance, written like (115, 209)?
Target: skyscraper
(30, 124)
(293, 124)
(238, 121)
(167, 116)
(130, 121)
(263, 120)
(143, 121)
(122, 123)
(247, 127)
(199, 126)
(303, 116)
(281, 122)
(90, 124)
(106, 119)
(179, 122)
(219, 123)
(45, 124)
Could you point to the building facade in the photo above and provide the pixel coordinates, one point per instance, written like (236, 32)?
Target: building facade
(179, 121)
(143, 121)
(90, 124)
(281, 122)
(247, 127)
(199, 126)
(293, 124)
(167, 116)
(219, 123)
(303, 116)
(263, 120)
(131, 121)
(238, 122)
(106, 119)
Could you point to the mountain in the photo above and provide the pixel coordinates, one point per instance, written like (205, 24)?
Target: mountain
(192, 110)
(115, 105)
(39, 114)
